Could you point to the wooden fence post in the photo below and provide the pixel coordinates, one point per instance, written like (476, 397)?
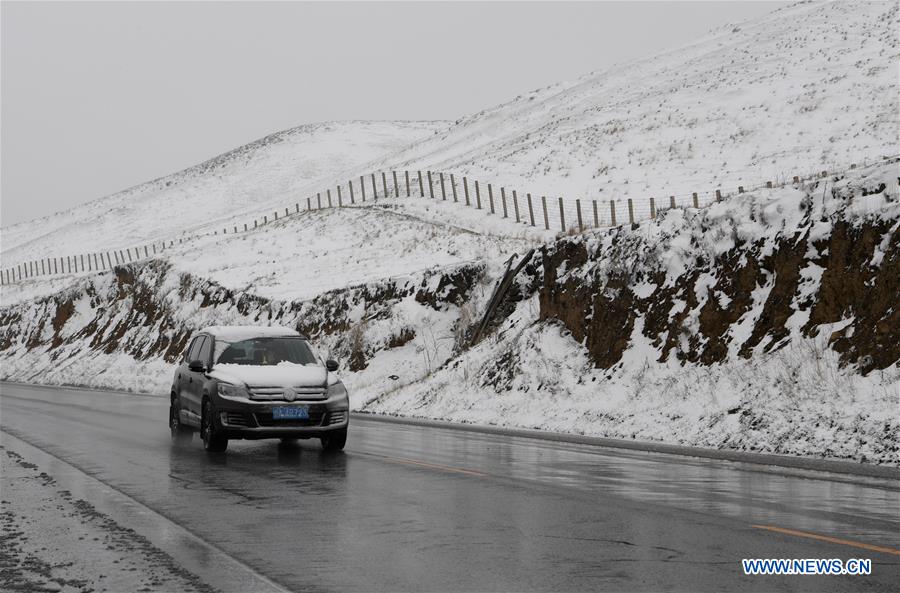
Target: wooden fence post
(503, 200)
(350, 186)
(466, 190)
(630, 211)
(407, 183)
(430, 185)
(596, 215)
(443, 189)
(421, 187)
(453, 186)
(671, 201)
(652, 208)
(530, 210)
(477, 195)
(340, 198)
(516, 205)
(546, 220)
(318, 201)
(718, 195)
(374, 189)
(491, 197)
(396, 185)
(578, 209)
(276, 212)
(562, 215)
(696, 201)
(384, 185)
(362, 187)
(328, 193)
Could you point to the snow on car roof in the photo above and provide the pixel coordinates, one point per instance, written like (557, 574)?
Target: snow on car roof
(235, 333)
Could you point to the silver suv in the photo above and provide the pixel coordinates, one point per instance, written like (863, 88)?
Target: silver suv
(241, 382)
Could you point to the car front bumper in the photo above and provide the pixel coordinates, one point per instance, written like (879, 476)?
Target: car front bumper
(243, 419)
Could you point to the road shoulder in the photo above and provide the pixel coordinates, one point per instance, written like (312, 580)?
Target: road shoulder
(54, 516)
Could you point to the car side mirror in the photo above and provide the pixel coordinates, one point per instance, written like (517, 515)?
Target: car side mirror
(197, 366)
(331, 365)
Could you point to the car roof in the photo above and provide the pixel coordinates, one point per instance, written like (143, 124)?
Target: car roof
(235, 333)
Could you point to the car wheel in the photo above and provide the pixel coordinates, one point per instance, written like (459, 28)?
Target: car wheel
(335, 440)
(212, 440)
(181, 434)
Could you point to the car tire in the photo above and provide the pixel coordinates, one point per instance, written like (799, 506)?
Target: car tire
(181, 434)
(212, 440)
(335, 440)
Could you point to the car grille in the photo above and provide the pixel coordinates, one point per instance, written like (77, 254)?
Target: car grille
(316, 416)
(336, 417)
(235, 419)
(276, 393)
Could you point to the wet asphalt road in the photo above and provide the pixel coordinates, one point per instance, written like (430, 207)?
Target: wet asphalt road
(409, 508)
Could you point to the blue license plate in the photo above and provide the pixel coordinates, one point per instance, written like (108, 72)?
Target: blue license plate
(294, 413)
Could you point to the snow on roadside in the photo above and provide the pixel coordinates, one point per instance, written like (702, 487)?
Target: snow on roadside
(795, 401)
(48, 533)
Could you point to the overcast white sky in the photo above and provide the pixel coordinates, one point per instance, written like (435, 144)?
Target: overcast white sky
(97, 97)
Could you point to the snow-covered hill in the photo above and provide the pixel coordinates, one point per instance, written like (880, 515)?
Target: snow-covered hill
(807, 88)
(275, 170)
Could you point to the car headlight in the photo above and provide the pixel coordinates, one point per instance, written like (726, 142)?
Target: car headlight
(337, 390)
(229, 390)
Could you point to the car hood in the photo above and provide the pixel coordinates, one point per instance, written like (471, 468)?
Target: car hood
(284, 374)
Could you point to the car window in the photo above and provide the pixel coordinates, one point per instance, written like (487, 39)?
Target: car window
(205, 350)
(192, 352)
(267, 351)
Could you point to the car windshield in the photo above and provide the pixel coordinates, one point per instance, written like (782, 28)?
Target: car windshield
(267, 351)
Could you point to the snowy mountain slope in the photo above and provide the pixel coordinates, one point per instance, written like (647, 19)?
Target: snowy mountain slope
(273, 170)
(306, 254)
(301, 257)
(807, 88)
(767, 322)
